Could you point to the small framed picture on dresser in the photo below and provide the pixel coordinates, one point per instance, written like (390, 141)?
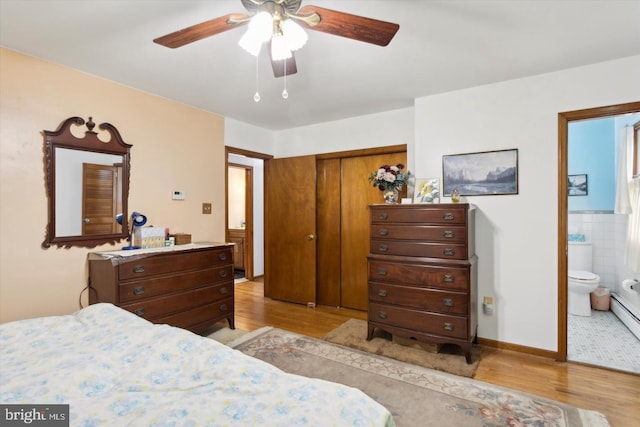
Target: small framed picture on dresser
(427, 190)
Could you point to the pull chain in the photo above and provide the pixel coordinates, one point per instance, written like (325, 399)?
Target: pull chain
(285, 94)
(256, 96)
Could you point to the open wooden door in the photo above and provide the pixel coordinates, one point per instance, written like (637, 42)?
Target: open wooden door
(290, 229)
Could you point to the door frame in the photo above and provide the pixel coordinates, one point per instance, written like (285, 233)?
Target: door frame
(249, 223)
(563, 141)
(247, 248)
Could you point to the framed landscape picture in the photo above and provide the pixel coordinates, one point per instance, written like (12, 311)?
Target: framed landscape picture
(578, 185)
(481, 174)
(427, 190)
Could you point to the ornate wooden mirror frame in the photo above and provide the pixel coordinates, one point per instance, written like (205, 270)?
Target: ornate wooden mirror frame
(100, 172)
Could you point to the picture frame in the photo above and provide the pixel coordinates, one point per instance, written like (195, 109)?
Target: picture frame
(427, 190)
(578, 185)
(486, 173)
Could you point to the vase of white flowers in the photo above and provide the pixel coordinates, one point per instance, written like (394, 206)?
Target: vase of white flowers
(390, 180)
(390, 195)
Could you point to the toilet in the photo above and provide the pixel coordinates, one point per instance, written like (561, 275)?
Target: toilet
(581, 280)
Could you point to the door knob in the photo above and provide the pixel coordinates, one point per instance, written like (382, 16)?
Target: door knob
(87, 220)
(311, 237)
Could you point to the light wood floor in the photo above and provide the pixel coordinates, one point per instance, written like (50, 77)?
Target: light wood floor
(615, 394)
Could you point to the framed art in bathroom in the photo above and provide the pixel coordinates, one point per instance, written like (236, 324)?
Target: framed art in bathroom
(427, 190)
(578, 185)
(486, 173)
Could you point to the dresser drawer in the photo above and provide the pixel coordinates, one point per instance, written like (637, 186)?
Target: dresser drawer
(423, 321)
(419, 298)
(423, 275)
(439, 233)
(140, 289)
(417, 248)
(174, 262)
(163, 306)
(452, 214)
(199, 315)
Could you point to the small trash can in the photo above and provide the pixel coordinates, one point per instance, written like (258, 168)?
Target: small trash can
(601, 299)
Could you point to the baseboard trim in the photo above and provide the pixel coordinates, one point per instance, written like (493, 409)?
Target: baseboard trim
(519, 348)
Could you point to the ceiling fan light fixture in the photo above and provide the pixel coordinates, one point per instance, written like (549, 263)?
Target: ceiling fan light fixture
(250, 43)
(262, 26)
(279, 49)
(294, 35)
(260, 29)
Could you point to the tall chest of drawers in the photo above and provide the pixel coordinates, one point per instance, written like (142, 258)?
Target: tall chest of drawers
(423, 273)
(191, 288)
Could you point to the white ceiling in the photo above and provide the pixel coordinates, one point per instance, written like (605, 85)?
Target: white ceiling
(441, 46)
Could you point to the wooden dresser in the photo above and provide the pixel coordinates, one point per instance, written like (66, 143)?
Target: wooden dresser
(423, 273)
(190, 287)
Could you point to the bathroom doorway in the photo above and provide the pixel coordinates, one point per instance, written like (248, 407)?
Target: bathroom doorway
(244, 222)
(580, 339)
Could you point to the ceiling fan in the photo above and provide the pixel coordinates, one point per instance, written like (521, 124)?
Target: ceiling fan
(278, 20)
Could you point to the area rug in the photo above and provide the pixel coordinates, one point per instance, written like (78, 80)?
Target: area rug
(353, 333)
(416, 396)
(225, 335)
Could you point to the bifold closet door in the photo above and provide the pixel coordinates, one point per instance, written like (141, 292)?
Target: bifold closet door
(356, 194)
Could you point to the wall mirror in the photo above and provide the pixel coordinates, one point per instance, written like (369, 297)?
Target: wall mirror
(87, 181)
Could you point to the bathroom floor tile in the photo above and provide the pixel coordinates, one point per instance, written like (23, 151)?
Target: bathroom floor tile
(602, 340)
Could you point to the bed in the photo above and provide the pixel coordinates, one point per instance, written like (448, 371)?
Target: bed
(113, 368)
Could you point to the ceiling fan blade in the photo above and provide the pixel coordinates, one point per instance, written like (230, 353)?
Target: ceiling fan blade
(278, 66)
(203, 30)
(354, 27)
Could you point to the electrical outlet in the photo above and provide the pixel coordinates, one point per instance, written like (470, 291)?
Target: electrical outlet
(487, 305)
(206, 208)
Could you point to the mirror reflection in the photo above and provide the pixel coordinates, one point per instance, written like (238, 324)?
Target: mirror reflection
(87, 185)
(88, 192)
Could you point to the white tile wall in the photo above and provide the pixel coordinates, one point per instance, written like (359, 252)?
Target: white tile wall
(607, 233)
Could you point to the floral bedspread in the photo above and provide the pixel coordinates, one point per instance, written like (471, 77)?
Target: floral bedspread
(114, 368)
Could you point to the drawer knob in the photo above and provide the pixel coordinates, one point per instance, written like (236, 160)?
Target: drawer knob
(224, 307)
(223, 273)
(138, 269)
(382, 272)
(448, 216)
(448, 326)
(383, 232)
(224, 290)
(139, 312)
(447, 302)
(139, 290)
(447, 278)
(383, 215)
(222, 256)
(449, 251)
(382, 315)
(448, 234)
(383, 248)
(382, 293)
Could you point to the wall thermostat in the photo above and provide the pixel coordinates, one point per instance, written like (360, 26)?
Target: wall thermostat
(178, 195)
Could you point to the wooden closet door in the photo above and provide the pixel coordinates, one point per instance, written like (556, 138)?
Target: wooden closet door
(329, 173)
(356, 195)
(290, 229)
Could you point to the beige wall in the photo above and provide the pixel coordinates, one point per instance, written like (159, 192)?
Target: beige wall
(175, 147)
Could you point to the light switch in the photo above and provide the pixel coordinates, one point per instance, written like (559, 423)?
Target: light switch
(206, 208)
